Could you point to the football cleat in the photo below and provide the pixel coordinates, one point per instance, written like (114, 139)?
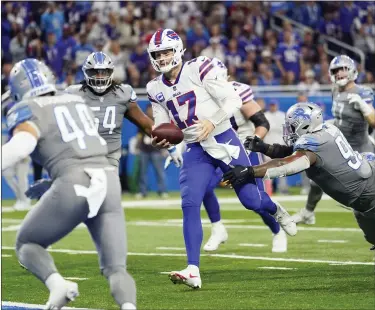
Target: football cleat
(189, 276)
(285, 220)
(304, 216)
(58, 298)
(22, 205)
(218, 236)
(279, 242)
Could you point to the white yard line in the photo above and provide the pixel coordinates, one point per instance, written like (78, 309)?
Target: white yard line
(332, 241)
(164, 272)
(75, 278)
(277, 268)
(32, 306)
(256, 245)
(6, 255)
(232, 256)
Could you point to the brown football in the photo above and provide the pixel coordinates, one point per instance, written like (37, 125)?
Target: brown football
(169, 132)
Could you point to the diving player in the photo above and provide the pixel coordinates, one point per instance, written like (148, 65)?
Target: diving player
(353, 113)
(322, 150)
(59, 133)
(195, 97)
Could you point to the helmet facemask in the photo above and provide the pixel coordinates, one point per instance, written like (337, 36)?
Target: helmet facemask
(99, 79)
(170, 58)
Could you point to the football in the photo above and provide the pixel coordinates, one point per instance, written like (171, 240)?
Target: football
(169, 132)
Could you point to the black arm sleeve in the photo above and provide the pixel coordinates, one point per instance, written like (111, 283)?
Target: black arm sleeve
(279, 151)
(259, 119)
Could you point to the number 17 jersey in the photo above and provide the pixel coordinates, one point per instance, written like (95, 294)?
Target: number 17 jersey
(339, 171)
(109, 110)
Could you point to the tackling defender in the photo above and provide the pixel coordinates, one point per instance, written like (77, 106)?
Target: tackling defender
(322, 150)
(59, 133)
(195, 96)
(353, 113)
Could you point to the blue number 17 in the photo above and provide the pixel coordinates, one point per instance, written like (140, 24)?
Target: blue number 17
(191, 100)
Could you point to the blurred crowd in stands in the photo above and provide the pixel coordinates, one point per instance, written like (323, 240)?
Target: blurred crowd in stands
(63, 34)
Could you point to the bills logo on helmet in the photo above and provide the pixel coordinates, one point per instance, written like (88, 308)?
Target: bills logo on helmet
(300, 114)
(172, 35)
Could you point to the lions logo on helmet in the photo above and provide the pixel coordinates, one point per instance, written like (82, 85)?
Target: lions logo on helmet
(165, 50)
(300, 119)
(98, 70)
(342, 70)
(30, 78)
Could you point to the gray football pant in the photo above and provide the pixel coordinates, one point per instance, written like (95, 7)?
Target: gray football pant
(314, 196)
(366, 222)
(58, 212)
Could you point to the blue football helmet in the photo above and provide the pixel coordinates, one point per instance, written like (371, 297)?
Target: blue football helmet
(300, 119)
(98, 70)
(30, 78)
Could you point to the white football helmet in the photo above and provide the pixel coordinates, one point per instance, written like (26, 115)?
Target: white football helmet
(162, 40)
(348, 73)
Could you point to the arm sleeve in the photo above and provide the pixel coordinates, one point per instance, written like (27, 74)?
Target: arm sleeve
(279, 151)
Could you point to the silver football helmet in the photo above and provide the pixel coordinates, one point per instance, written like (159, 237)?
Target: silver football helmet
(300, 119)
(342, 70)
(30, 78)
(98, 70)
(370, 157)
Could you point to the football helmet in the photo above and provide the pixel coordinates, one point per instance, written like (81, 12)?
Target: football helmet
(30, 78)
(98, 70)
(300, 119)
(163, 40)
(348, 73)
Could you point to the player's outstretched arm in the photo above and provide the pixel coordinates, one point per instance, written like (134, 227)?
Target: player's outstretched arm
(22, 144)
(139, 118)
(364, 104)
(299, 161)
(255, 144)
(252, 111)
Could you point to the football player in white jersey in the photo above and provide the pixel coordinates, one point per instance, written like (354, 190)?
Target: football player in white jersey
(200, 101)
(249, 120)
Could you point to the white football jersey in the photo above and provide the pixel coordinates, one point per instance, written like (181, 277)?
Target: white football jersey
(243, 126)
(198, 93)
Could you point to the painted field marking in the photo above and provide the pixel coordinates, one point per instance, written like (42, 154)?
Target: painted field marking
(6, 255)
(232, 256)
(164, 272)
(332, 241)
(75, 278)
(170, 248)
(256, 245)
(14, 305)
(277, 268)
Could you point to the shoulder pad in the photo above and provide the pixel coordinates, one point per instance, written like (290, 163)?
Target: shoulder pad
(125, 90)
(366, 93)
(73, 89)
(307, 142)
(19, 113)
(243, 90)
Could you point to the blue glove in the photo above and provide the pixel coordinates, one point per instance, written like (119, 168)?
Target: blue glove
(38, 189)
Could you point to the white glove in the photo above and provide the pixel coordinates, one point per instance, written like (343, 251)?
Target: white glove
(175, 155)
(360, 104)
(168, 161)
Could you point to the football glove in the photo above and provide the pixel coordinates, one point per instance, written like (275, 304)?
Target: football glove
(239, 175)
(38, 188)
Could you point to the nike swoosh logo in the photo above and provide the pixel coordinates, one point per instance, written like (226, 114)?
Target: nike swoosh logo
(192, 277)
(244, 170)
(229, 141)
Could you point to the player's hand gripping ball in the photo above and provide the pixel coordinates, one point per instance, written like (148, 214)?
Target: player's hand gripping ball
(171, 133)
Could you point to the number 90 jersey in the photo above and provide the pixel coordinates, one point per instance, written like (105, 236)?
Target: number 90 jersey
(339, 171)
(109, 110)
(68, 138)
(199, 92)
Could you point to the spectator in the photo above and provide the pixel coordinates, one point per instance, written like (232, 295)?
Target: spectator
(93, 29)
(369, 78)
(5, 71)
(54, 56)
(288, 57)
(275, 135)
(215, 49)
(267, 79)
(18, 46)
(216, 33)
(128, 29)
(310, 85)
(150, 155)
(102, 9)
(310, 14)
(348, 12)
(113, 50)
(79, 55)
(330, 25)
(197, 35)
(140, 58)
(233, 57)
(309, 51)
(67, 43)
(34, 42)
(53, 20)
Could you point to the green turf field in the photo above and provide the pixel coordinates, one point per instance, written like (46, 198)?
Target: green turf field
(328, 265)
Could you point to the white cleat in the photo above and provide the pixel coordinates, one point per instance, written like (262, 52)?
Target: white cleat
(285, 220)
(58, 298)
(279, 242)
(304, 216)
(128, 306)
(218, 236)
(189, 276)
(22, 205)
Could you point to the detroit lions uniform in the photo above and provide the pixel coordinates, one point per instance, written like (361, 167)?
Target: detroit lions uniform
(85, 187)
(342, 173)
(109, 110)
(349, 119)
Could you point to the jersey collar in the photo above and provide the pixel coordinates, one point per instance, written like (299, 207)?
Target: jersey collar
(167, 82)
